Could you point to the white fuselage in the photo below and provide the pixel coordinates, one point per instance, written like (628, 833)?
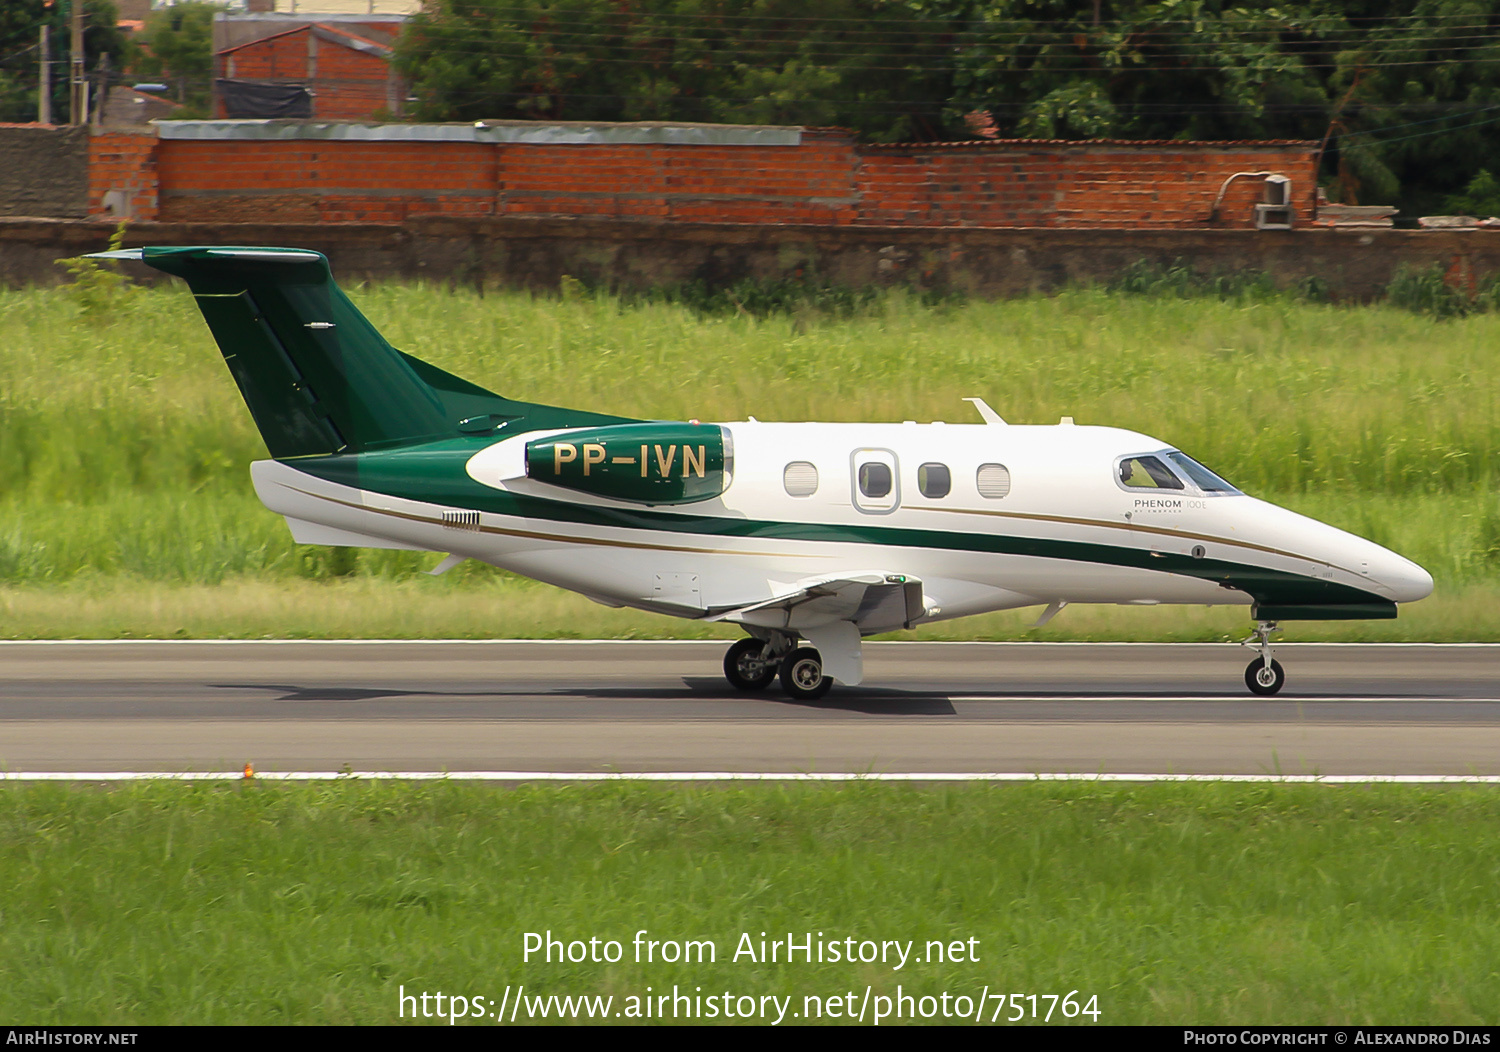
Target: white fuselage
(757, 541)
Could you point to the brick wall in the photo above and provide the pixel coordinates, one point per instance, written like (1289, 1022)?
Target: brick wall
(1021, 184)
(122, 175)
(311, 181)
(809, 183)
(350, 85)
(282, 57)
(307, 173)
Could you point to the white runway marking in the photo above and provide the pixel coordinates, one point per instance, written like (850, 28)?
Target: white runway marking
(1226, 646)
(1211, 697)
(732, 776)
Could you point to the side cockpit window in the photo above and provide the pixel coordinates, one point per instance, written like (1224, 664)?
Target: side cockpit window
(1147, 473)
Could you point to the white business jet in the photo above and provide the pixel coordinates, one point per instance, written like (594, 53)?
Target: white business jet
(810, 536)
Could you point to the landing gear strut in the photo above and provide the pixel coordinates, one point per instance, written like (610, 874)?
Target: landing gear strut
(1264, 676)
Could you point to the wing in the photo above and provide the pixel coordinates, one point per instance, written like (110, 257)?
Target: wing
(872, 602)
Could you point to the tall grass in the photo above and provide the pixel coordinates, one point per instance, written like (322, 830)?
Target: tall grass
(124, 445)
(1278, 395)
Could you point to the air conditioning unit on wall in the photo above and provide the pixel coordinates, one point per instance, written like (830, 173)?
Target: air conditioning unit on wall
(1275, 212)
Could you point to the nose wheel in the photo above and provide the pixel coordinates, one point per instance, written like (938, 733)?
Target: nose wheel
(1264, 679)
(1264, 676)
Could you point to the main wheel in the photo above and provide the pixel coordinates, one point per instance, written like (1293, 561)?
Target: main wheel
(744, 668)
(1263, 680)
(802, 675)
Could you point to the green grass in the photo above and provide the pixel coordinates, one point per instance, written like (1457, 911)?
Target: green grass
(1174, 904)
(508, 607)
(1281, 396)
(124, 445)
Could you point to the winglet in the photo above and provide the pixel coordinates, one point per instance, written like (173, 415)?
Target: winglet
(119, 253)
(990, 416)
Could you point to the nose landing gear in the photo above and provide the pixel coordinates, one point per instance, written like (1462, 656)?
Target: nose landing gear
(1264, 675)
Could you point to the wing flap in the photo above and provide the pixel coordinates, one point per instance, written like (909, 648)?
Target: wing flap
(873, 602)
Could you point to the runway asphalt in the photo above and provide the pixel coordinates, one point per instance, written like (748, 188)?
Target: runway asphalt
(1358, 709)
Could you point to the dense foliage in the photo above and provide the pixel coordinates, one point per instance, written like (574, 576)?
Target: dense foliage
(177, 47)
(1408, 91)
(20, 52)
(864, 64)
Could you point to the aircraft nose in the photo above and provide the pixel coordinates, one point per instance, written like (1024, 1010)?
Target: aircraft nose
(1406, 581)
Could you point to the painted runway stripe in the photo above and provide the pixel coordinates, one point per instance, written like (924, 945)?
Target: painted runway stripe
(1227, 696)
(733, 776)
(689, 642)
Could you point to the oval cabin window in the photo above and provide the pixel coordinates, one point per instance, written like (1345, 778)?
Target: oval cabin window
(934, 480)
(800, 479)
(875, 479)
(994, 481)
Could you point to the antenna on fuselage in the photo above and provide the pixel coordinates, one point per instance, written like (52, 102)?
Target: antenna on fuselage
(990, 416)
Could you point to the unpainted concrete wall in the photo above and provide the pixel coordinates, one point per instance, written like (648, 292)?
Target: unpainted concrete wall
(44, 171)
(537, 253)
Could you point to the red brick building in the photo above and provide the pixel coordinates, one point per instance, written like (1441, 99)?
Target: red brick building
(320, 70)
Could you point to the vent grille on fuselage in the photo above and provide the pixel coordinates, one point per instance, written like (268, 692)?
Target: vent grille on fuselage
(993, 480)
(800, 479)
(461, 520)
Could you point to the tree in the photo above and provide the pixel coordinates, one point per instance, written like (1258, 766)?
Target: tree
(870, 65)
(1142, 69)
(1406, 91)
(177, 47)
(1409, 90)
(20, 26)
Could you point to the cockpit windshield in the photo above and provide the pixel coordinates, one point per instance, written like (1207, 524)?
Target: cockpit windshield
(1199, 475)
(1168, 469)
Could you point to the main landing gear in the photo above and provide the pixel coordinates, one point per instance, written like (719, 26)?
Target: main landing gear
(1264, 676)
(751, 665)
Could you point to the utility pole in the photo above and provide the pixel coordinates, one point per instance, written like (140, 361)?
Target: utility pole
(78, 97)
(101, 92)
(44, 81)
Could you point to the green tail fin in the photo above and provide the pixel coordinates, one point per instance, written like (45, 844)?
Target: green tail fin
(317, 376)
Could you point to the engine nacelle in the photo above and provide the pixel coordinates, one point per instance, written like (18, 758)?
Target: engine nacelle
(655, 463)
